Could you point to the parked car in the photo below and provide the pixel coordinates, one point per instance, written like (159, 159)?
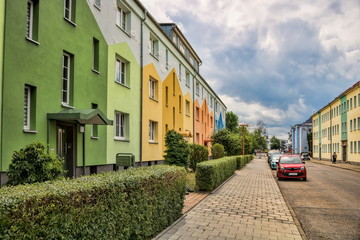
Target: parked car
(274, 159)
(304, 156)
(291, 166)
(272, 152)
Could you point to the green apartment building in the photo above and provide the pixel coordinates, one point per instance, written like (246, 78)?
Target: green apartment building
(75, 75)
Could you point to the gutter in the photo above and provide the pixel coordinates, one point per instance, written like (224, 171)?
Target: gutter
(141, 81)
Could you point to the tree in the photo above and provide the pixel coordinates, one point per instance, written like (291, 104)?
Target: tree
(197, 153)
(275, 143)
(232, 121)
(32, 164)
(177, 150)
(232, 142)
(309, 140)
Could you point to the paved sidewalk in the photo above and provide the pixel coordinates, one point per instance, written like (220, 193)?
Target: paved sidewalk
(248, 206)
(348, 166)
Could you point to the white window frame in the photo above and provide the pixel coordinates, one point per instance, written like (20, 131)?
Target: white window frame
(154, 46)
(68, 10)
(68, 79)
(120, 71)
(122, 19)
(187, 107)
(187, 76)
(152, 131)
(27, 107)
(120, 126)
(198, 88)
(153, 88)
(29, 19)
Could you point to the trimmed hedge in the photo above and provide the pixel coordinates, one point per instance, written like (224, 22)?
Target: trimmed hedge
(241, 161)
(210, 174)
(134, 204)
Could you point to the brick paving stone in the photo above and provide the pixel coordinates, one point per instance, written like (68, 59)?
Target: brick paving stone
(248, 206)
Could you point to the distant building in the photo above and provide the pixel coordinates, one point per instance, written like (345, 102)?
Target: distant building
(336, 127)
(299, 134)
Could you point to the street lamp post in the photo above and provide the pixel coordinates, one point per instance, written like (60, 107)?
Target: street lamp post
(243, 137)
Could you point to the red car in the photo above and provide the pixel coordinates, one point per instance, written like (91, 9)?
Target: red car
(290, 166)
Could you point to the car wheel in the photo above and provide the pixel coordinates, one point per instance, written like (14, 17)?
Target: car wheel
(305, 179)
(279, 178)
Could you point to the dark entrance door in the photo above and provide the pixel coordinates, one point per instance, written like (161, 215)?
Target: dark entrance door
(65, 148)
(344, 146)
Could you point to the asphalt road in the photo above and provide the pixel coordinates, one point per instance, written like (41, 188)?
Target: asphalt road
(328, 204)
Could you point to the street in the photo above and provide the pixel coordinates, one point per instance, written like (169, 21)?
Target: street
(327, 205)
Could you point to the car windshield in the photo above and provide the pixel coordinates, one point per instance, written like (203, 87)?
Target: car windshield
(290, 160)
(275, 158)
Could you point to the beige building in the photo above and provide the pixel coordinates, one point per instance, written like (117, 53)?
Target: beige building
(336, 127)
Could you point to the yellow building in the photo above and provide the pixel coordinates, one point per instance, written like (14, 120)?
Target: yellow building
(336, 128)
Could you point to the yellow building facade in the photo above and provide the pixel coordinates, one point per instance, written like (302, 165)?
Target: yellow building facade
(336, 128)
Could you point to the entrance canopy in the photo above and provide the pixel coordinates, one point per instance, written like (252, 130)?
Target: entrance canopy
(82, 116)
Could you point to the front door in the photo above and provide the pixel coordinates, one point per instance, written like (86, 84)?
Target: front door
(65, 148)
(344, 146)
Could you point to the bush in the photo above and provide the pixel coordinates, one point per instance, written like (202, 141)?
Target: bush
(198, 153)
(217, 151)
(210, 174)
(134, 204)
(177, 150)
(31, 164)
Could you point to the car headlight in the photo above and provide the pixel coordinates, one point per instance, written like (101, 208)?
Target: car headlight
(302, 168)
(282, 168)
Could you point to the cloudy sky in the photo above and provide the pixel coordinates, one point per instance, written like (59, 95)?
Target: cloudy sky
(275, 60)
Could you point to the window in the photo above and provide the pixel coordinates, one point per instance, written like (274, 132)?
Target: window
(166, 96)
(29, 107)
(180, 100)
(211, 101)
(120, 71)
(211, 122)
(152, 131)
(351, 103)
(355, 147)
(174, 84)
(197, 88)
(167, 59)
(197, 114)
(358, 146)
(123, 19)
(351, 147)
(355, 101)
(154, 46)
(121, 123)
(69, 10)
(179, 71)
(96, 55)
(153, 89)
(354, 124)
(358, 120)
(187, 75)
(187, 107)
(173, 117)
(97, 4)
(66, 79)
(351, 125)
(32, 19)
(94, 129)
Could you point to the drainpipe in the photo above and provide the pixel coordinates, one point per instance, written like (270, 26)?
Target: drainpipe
(141, 82)
(2, 92)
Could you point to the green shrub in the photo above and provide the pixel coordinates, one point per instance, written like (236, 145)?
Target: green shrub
(198, 153)
(217, 151)
(134, 204)
(177, 150)
(210, 174)
(31, 164)
(241, 161)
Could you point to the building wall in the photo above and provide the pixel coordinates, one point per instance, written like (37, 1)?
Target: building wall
(337, 128)
(41, 67)
(2, 39)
